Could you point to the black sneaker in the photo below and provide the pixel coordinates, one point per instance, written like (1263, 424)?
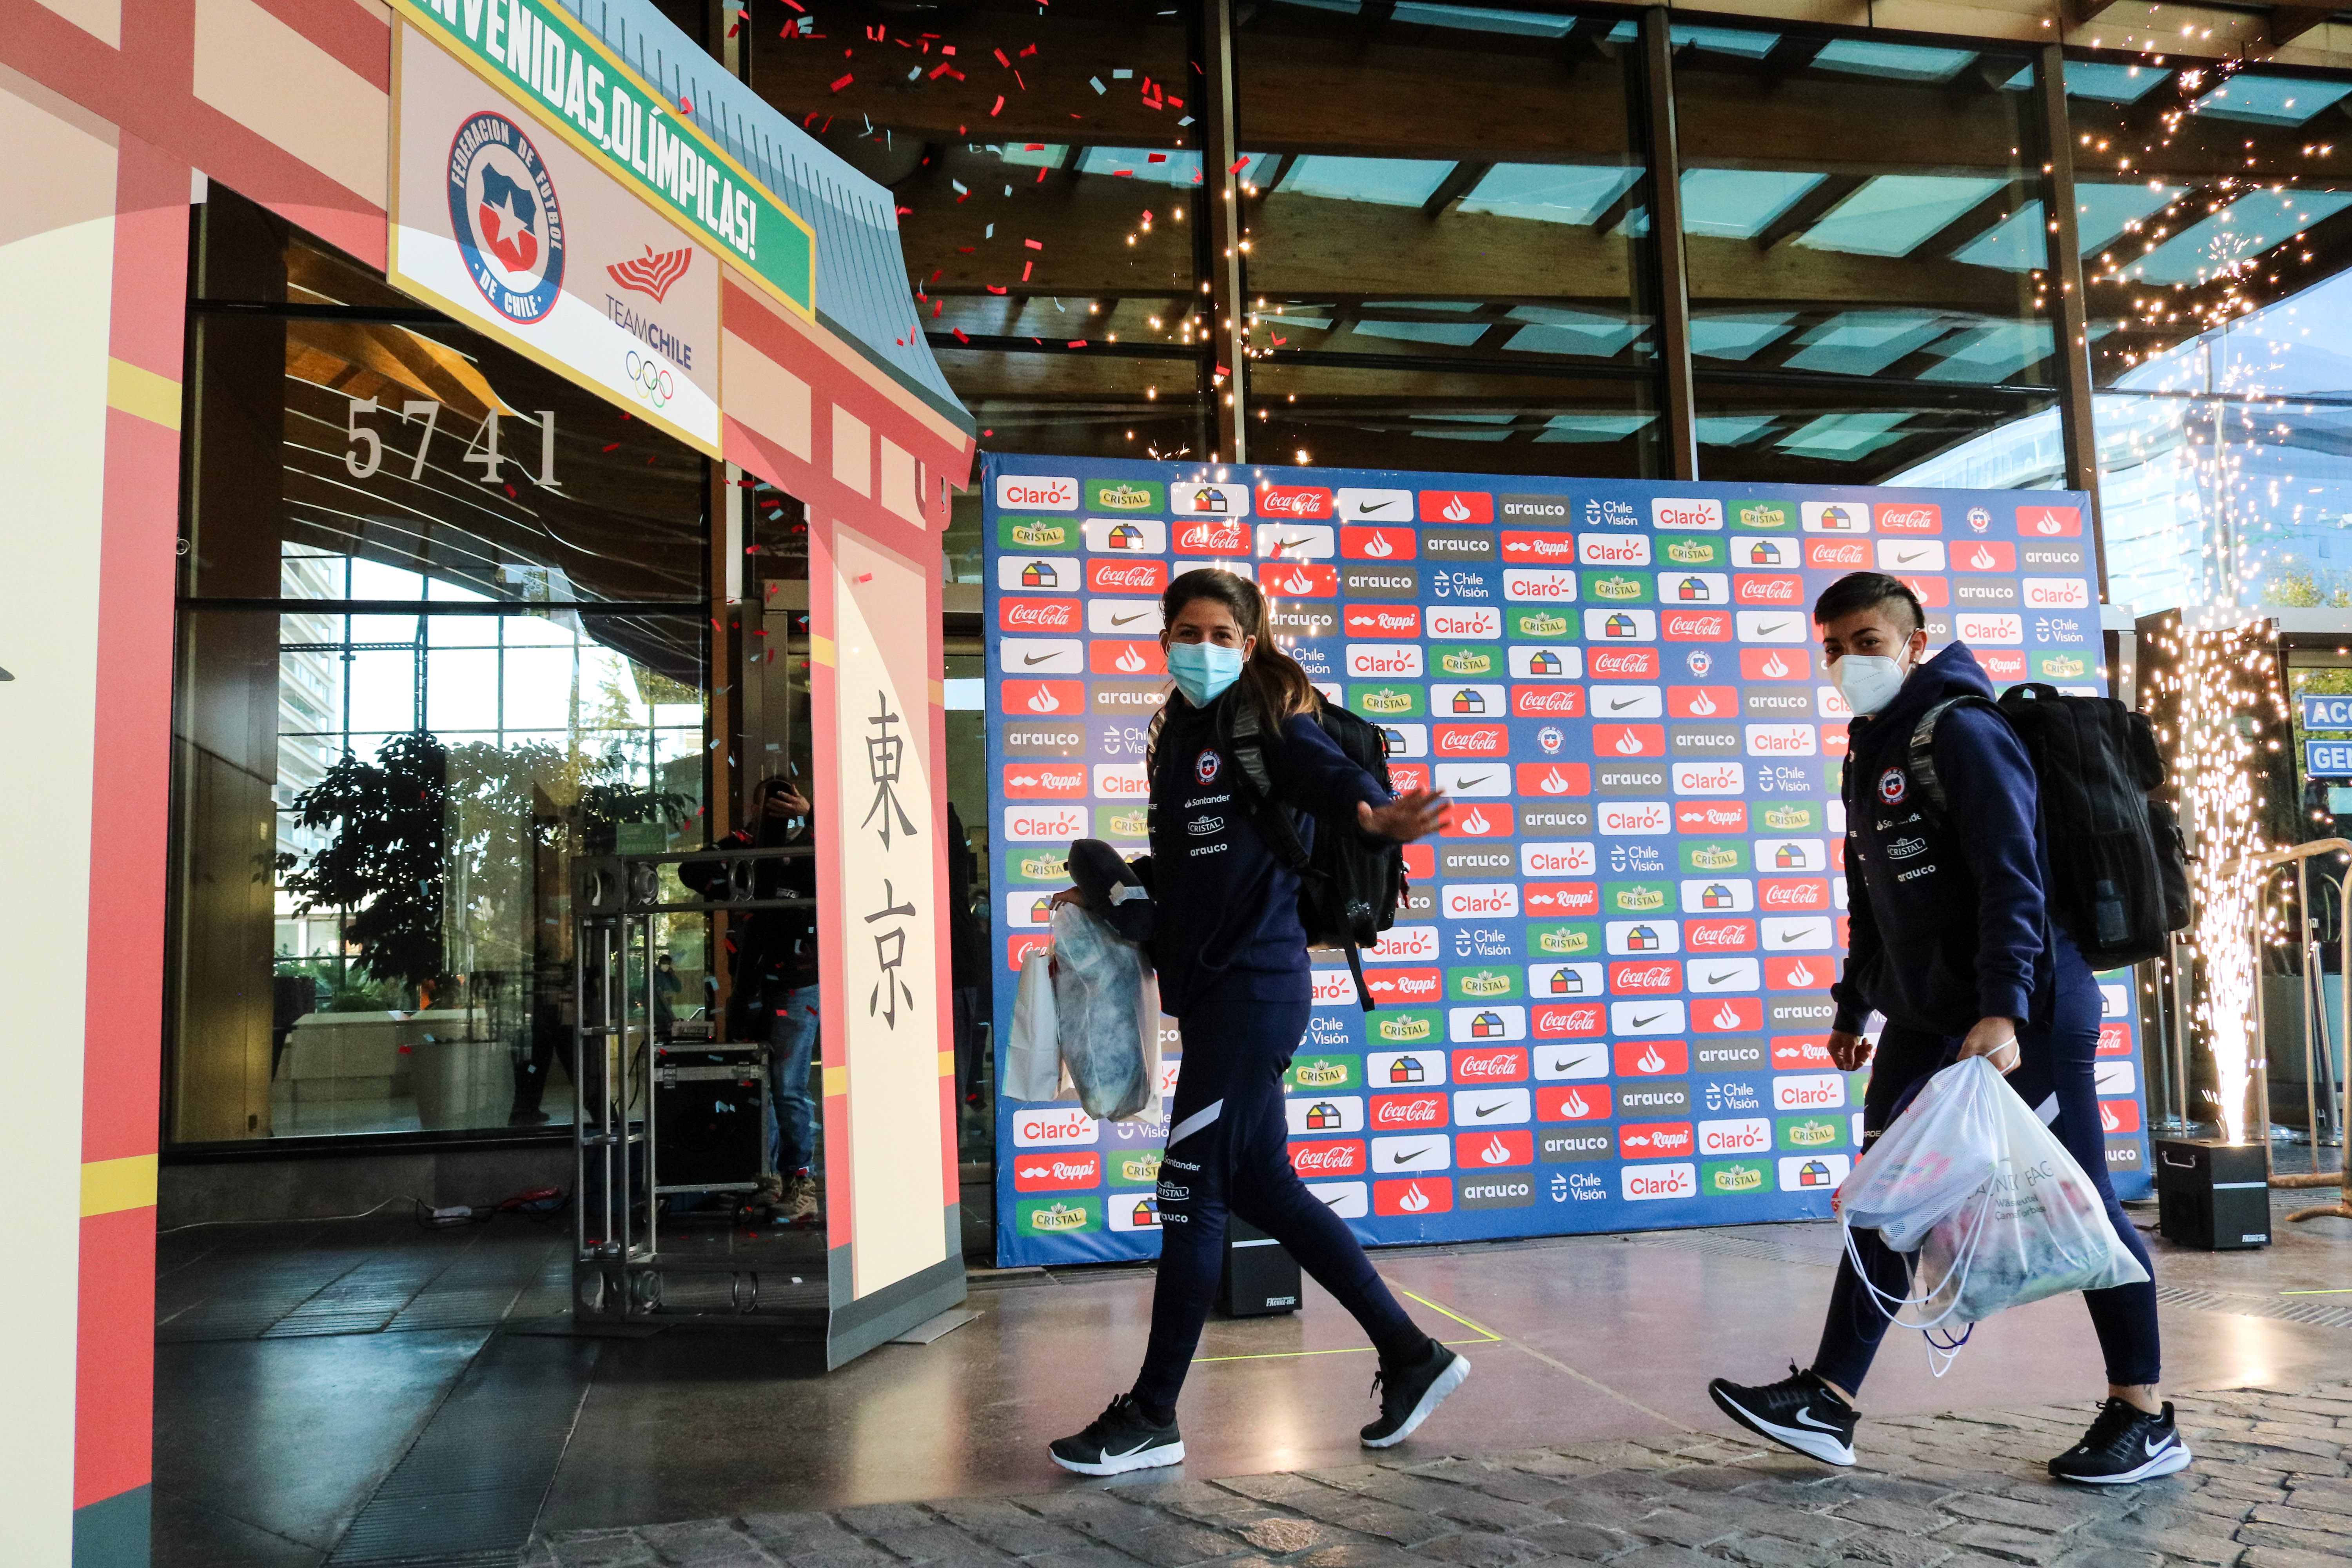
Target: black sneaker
(1408, 1394)
(1121, 1438)
(2125, 1445)
(1798, 1412)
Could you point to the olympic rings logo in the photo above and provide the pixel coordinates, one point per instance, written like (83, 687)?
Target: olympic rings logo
(653, 380)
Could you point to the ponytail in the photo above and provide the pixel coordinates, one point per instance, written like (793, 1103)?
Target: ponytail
(1272, 678)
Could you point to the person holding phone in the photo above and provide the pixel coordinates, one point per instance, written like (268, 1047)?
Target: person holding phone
(1231, 957)
(1953, 944)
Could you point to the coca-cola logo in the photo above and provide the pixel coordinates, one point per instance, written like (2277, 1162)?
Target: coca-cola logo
(1910, 517)
(1335, 1158)
(1558, 1021)
(1127, 576)
(1038, 614)
(1830, 553)
(1408, 1110)
(1211, 537)
(1294, 500)
(1645, 978)
(1472, 740)
(1489, 1066)
(1774, 590)
(1796, 894)
(1623, 664)
(1547, 701)
(1720, 936)
(1696, 626)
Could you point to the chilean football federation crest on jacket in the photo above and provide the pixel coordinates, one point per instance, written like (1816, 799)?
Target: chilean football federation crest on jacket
(503, 211)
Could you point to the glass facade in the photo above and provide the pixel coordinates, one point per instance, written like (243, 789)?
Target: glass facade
(443, 630)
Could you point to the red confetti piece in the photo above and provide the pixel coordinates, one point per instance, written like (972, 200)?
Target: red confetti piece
(1024, 54)
(792, 27)
(1176, 102)
(686, 104)
(959, 335)
(849, 78)
(796, 6)
(1024, 270)
(1033, 245)
(945, 49)
(1077, 343)
(1239, 164)
(937, 305)
(611, 446)
(994, 288)
(906, 212)
(1279, 341)
(865, 576)
(1025, 85)
(511, 492)
(998, 107)
(1003, 61)
(1041, 177)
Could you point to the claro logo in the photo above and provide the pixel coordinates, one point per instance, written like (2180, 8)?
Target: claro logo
(1021, 492)
(1048, 1127)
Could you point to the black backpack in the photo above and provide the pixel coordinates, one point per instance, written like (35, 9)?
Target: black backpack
(2119, 868)
(1348, 885)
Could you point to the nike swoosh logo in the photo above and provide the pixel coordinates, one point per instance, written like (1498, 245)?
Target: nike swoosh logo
(1566, 1065)
(1282, 544)
(1792, 936)
(1137, 1449)
(1407, 1158)
(2154, 1447)
(1619, 704)
(1364, 507)
(1122, 620)
(1805, 1418)
(1765, 631)
(1719, 979)
(1652, 1018)
(1029, 658)
(1472, 784)
(1489, 1109)
(1914, 556)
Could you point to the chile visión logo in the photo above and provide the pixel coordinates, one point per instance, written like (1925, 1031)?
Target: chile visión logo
(503, 211)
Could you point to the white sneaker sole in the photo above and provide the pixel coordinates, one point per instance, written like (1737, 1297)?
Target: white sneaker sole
(1812, 1442)
(2175, 1458)
(1119, 1463)
(1452, 1378)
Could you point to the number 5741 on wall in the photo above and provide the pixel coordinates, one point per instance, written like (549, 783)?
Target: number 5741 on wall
(366, 454)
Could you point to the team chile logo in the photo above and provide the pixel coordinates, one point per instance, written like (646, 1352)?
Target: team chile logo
(1205, 766)
(1891, 786)
(503, 211)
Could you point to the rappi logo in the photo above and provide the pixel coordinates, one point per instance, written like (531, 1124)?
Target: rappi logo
(1039, 614)
(1561, 900)
(1294, 500)
(1335, 1157)
(1472, 740)
(1654, 1140)
(1728, 1016)
(1759, 588)
(1521, 545)
(1056, 1173)
(1212, 536)
(1695, 626)
(1711, 817)
(1999, 665)
(1909, 517)
(1044, 781)
(1456, 506)
(1720, 936)
(1547, 701)
(1837, 555)
(1383, 620)
(1790, 1052)
(1775, 664)
(1623, 663)
(1495, 1066)
(1126, 576)
(1402, 984)
(1408, 1110)
(1565, 1020)
(1637, 978)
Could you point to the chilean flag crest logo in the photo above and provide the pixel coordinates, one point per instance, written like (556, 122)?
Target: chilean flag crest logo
(503, 211)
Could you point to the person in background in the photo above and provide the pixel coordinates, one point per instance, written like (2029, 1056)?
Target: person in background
(1953, 943)
(774, 967)
(1231, 957)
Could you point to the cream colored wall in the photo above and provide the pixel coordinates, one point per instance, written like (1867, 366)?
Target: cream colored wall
(56, 258)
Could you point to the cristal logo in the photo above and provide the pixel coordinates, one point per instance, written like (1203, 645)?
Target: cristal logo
(1037, 535)
(1405, 1028)
(1485, 983)
(1462, 663)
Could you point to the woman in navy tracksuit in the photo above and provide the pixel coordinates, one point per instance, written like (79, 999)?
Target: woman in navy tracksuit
(1953, 943)
(1231, 957)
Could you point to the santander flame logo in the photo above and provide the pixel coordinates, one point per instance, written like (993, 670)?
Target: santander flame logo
(1702, 705)
(1651, 1061)
(1296, 583)
(1497, 1152)
(1455, 511)
(1629, 744)
(1773, 668)
(1475, 822)
(1129, 660)
(1044, 701)
(1414, 1199)
(2108, 1120)
(1553, 783)
(653, 273)
(1576, 1105)
(1799, 974)
(1380, 549)
(1725, 1019)
(1983, 560)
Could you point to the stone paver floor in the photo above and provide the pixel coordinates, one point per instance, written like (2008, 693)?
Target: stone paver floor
(2272, 1488)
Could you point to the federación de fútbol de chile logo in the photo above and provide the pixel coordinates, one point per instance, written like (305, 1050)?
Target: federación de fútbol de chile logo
(502, 209)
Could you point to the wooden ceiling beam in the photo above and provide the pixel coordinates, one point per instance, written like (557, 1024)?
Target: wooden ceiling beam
(1807, 210)
(1459, 182)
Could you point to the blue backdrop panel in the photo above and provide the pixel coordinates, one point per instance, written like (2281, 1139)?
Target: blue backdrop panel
(1604, 1009)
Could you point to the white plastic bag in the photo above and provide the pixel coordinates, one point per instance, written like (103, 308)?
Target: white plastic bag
(1105, 1015)
(1033, 1054)
(1998, 1211)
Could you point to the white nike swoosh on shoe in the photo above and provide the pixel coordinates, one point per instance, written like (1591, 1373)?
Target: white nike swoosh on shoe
(1807, 1417)
(2154, 1447)
(1811, 1441)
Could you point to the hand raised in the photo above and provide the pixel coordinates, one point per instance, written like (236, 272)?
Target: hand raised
(1416, 814)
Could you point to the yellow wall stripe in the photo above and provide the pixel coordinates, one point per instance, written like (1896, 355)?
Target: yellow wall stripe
(142, 393)
(109, 1187)
(946, 1064)
(820, 650)
(836, 1081)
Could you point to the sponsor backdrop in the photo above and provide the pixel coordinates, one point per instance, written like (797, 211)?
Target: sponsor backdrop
(1605, 1005)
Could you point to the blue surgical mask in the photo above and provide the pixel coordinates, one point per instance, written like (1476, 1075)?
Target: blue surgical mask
(1204, 670)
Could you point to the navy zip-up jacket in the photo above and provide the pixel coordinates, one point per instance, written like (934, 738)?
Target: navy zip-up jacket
(1228, 916)
(1946, 914)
